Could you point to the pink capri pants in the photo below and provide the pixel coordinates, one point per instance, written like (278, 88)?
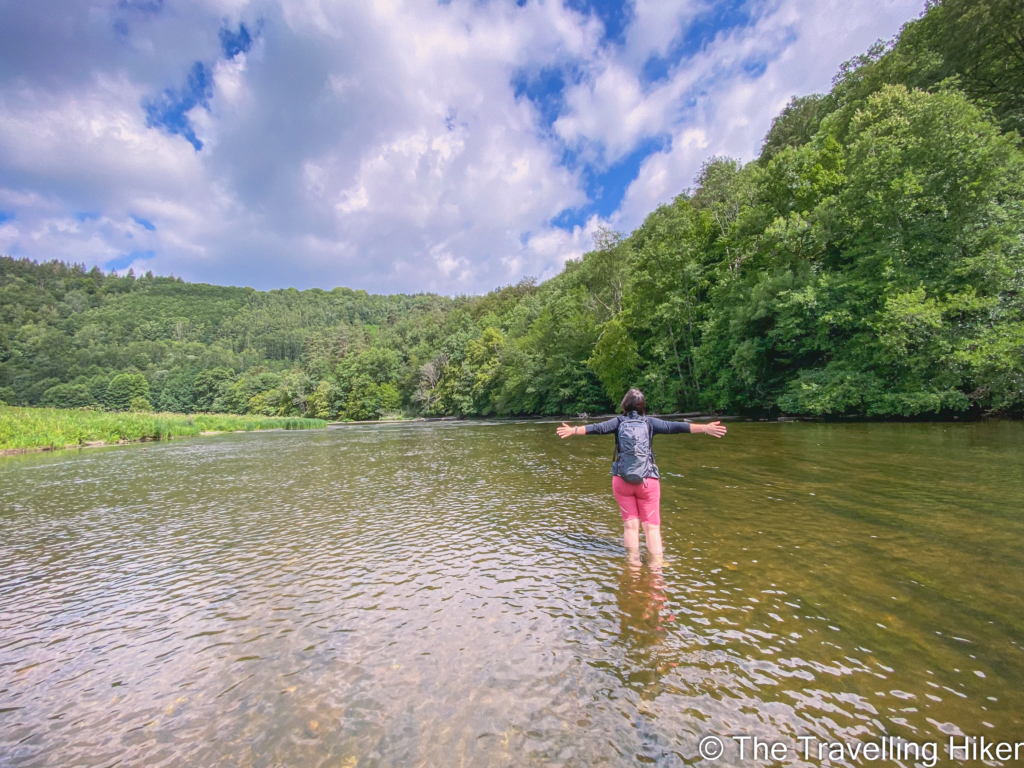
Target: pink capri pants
(641, 501)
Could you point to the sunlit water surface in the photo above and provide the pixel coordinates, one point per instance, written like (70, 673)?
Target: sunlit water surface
(457, 594)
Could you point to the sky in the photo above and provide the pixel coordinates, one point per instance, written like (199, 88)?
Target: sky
(390, 145)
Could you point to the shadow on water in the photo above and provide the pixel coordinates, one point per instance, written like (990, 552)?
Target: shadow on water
(441, 594)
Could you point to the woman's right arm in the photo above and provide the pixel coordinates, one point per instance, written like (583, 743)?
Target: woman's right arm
(601, 428)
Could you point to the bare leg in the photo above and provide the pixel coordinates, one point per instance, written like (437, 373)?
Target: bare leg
(631, 533)
(652, 535)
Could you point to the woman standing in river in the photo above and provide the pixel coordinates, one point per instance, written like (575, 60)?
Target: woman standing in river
(635, 481)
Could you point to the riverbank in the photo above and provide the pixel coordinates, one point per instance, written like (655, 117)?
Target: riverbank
(45, 429)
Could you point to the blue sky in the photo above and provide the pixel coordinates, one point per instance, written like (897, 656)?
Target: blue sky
(450, 146)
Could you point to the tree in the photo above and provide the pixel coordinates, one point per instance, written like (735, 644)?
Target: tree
(67, 396)
(207, 385)
(140, 404)
(364, 400)
(124, 388)
(390, 400)
(796, 124)
(979, 44)
(177, 395)
(615, 359)
(319, 404)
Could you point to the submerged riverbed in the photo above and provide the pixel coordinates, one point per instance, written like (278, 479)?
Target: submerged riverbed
(457, 594)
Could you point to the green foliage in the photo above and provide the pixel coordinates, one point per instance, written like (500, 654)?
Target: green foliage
(615, 359)
(234, 395)
(177, 390)
(390, 399)
(318, 405)
(206, 386)
(140, 405)
(870, 262)
(364, 400)
(32, 428)
(124, 389)
(797, 124)
(976, 44)
(879, 267)
(67, 396)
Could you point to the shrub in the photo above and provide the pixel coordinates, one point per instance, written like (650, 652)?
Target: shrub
(124, 388)
(67, 396)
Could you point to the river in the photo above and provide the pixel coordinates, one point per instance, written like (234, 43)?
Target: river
(457, 594)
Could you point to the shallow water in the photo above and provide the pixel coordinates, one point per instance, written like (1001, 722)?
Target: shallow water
(457, 594)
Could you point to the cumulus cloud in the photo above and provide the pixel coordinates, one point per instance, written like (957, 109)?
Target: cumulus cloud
(397, 145)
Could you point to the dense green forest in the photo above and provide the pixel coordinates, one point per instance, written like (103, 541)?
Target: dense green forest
(869, 262)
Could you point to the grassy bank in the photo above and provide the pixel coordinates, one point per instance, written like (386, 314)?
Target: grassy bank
(23, 429)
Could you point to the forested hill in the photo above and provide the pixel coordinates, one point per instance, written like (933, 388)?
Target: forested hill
(869, 262)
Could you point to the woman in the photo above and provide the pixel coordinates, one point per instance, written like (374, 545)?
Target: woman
(635, 480)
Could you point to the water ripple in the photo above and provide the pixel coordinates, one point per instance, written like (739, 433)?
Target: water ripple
(458, 594)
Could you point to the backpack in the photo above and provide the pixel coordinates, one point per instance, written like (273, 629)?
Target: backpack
(633, 458)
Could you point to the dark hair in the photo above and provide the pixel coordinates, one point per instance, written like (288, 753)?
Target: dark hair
(634, 401)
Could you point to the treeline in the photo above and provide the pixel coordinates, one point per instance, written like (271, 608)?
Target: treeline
(869, 262)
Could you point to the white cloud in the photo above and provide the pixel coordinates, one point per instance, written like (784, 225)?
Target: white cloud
(377, 145)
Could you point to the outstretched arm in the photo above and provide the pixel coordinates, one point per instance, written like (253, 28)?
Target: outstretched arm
(662, 427)
(565, 431)
(601, 428)
(714, 428)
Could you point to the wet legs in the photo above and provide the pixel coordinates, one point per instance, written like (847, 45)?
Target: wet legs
(631, 536)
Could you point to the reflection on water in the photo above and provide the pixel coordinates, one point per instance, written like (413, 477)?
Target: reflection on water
(458, 594)
(641, 601)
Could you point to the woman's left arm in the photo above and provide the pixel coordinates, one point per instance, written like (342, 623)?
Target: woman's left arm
(713, 428)
(662, 427)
